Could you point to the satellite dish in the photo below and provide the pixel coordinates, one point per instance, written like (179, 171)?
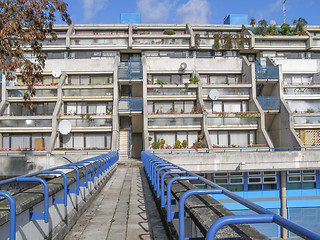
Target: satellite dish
(65, 127)
(183, 66)
(214, 94)
(56, 72)
(273, 22)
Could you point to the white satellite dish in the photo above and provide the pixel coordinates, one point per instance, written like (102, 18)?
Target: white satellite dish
(65, 127)
(273, 22)
(214, 94)
(183, 66)
(56, 72)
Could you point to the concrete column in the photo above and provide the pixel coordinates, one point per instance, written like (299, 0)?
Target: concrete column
(284, 202)
(192, 40)
(56, 112)
(69, 32)
(130, 32)
(146, 145)
(115, 114)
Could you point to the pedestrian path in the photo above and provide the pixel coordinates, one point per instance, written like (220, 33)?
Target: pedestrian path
(119, 211)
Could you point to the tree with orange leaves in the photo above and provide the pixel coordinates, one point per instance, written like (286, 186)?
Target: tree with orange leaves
(24, 25)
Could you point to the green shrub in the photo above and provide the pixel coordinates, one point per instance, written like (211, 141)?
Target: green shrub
(169, 32)
(184, 143)
(155, 145)
(178, 144)
(162, 142)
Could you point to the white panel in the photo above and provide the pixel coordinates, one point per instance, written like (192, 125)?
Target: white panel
(150, 107)
(94, 140)
(192, 138)
(101, 108)
(5, 140)
(223, 138)
(178, 105)
(214, 137)
(108, 143)
(20, 141)
(208, 106)
(78, 140)
(232, 106)
(182, 136)
(216, 106)
(298, 65)
(245, 106)
(238, 138)
(71, 107)
(188, 106)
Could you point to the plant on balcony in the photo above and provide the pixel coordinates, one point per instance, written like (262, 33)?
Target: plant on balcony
(252, 22)
(186, 85)
(216, 42)
(299, 25)
(197, 40)
(160, 82)
(177, 144)
(156, 145)
(245, 115)
(172, 110)
(197, 109)
(182, 111)
(310, 110)
(194, 80)
(199, 143)
(184, 143)
(286, 29)
(169, 32)
(162, 142)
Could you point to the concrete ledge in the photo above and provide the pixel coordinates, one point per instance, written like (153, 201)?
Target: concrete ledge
(61, 218)
(202, 211)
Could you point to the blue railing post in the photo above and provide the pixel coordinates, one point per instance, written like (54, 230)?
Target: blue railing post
(158, 178)
(163, 200)
(12, 203)
(170, 214)
(181, 206)
(238, 219)
(36, 216)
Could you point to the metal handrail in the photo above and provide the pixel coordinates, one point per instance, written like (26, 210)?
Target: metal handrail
(150, 161)
(104, 162)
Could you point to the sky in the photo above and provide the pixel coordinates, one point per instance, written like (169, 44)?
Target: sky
(191, 11)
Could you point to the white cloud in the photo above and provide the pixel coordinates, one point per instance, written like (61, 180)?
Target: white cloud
(155, 11)
(91, 7)
(194, 12)
(271, 8)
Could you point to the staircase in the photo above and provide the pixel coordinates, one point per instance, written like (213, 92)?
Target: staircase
(123, 144)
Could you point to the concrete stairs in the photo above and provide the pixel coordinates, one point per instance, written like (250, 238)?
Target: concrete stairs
(123, 144)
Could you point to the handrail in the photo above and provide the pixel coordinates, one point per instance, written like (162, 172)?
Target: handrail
(104, 162)
(12, 203)
(150, 162)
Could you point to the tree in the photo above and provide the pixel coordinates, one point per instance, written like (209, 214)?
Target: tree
(300, 23)
(252, 23)
(24, 25)
(285, 29)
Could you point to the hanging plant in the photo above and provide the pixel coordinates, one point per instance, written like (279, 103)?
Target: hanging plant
(216, 44)
(197, 40)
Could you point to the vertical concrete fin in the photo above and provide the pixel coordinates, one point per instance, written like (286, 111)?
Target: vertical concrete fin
(115, 115)
(130, 33)
(191, 32)
(69, 32)
(146, 145)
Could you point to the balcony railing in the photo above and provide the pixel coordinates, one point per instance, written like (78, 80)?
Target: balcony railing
(269, 103)
(131, 69)
(267, 72)
(130, 104)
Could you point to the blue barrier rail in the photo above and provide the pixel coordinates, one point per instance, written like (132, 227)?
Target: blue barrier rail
(103, 162)
(269, 102)
(133, 104)
(152, 162)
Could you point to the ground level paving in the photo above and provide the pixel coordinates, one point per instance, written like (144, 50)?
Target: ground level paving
(124, 209)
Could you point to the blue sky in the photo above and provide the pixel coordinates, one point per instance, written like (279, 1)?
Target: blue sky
(191, 11)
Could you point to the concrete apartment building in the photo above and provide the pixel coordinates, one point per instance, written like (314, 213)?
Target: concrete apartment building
(132, 82)
(123, 87)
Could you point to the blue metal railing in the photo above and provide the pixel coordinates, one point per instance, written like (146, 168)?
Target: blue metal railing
(103, 162)
(267, 72)
(152, 164)
(133, 104)
(269, 102)
(131, 70)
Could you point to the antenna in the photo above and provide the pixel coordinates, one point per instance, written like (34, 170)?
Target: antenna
(284, 10)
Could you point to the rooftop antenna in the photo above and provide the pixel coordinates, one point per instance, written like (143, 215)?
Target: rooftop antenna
(284, 10)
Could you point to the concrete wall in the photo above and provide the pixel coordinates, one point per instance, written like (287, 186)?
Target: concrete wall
(61, 218)
(298, 66)
(245, 161)
(80, 65)
(208, 65)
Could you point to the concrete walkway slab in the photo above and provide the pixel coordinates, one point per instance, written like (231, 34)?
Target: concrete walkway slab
(120, 211)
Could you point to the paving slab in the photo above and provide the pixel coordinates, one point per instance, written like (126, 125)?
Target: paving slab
(120, 211)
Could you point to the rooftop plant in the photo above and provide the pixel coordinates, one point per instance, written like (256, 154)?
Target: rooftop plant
(169, 32)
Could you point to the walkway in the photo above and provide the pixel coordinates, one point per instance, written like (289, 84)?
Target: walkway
(120, 210)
